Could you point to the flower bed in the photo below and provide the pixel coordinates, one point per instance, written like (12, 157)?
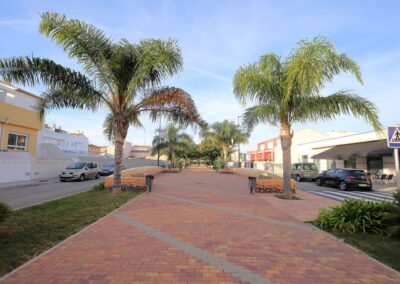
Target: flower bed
(272, 185)
(133, 179)
(225, 171)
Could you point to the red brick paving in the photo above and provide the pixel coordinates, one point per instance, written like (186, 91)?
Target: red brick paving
(216, 213)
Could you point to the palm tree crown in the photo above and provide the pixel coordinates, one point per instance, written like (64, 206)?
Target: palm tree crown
(287, 91)
(172, 142)
(227, 134)
(122, 77)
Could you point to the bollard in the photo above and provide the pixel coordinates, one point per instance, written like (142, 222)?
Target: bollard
(149, 182)
(252, 184)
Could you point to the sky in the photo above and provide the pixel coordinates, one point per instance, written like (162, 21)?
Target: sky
(216, 38)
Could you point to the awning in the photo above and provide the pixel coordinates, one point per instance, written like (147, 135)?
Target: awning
(365, 149)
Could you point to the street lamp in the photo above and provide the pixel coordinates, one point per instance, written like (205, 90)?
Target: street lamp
(240, 129)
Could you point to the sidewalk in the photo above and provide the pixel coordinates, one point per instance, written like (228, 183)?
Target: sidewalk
(203, 227)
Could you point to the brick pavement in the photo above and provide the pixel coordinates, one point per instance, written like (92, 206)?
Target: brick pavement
(203, 227)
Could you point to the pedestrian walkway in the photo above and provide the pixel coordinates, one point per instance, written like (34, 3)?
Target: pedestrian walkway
(203, 227)
(357, 195)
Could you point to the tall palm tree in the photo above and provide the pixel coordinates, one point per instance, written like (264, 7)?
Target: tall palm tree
(287, 91)
(172, 142)
(122, 77)
(227, 134)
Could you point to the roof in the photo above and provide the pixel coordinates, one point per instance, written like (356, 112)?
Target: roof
(365, 149)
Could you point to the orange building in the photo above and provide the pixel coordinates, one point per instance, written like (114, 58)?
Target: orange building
(265, 150)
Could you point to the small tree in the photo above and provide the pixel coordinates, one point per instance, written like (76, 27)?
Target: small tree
(287, 91)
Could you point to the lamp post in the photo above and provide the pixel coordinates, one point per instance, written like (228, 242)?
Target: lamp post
(159, 141)
(240, 129)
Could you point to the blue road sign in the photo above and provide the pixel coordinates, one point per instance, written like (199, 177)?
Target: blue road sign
(393, 137)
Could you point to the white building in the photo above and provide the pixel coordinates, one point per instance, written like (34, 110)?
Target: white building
(68, 142)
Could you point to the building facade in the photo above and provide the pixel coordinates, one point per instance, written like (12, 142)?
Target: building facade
(140, 151)
(19, 122)
(75, 142)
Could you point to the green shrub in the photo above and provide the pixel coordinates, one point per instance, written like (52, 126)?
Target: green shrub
(218, 164)
(5, 211)
(180, 164)
(98, 187)
(393, 220)
(354, 216)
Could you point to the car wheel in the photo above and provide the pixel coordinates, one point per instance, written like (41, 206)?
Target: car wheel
(342, 185)
(97, 176)
(82, 177)
(62, 180)
(318, 181)
(298, 179)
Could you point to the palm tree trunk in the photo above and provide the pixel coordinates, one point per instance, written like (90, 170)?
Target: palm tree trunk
(286, 143)
(118, 152)
(225, 151)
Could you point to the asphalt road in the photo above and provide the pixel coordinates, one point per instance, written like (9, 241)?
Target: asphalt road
(28, 195)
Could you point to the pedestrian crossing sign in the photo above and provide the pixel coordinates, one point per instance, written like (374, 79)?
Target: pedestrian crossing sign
(393, 137)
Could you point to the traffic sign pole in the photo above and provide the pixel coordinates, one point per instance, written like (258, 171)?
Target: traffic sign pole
(396, 162)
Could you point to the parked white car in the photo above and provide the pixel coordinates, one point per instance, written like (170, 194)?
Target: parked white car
(80, 171)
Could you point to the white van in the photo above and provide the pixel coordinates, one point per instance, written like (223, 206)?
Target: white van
(302, 171)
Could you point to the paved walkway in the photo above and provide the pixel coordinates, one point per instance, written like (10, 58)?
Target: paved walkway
(202, 227)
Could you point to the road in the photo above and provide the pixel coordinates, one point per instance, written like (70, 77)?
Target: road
(28, 195)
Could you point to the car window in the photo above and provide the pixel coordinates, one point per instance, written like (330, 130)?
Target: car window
(313, 167)
(330, 172)
(94, 165)
(339, 172)
(306, 167)
(357, 173)
(75, 166)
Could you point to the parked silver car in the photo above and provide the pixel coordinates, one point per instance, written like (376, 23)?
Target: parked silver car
(80, 171)
(302, 171)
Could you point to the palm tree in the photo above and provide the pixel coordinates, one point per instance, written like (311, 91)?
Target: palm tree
(121, 77)
(287, 91)
(172, 142)
(227, 134)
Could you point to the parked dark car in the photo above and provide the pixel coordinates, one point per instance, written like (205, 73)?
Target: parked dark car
(345, 179)
(108, 169)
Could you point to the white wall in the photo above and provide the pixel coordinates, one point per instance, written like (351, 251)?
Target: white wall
(15, 166)
(77, 143)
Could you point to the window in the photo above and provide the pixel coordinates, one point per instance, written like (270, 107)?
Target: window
(17, 141)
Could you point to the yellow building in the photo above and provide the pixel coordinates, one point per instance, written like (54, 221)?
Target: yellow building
(19, 122)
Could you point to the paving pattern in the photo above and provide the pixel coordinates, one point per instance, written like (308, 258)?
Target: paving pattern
(203, 227)
(357, 195)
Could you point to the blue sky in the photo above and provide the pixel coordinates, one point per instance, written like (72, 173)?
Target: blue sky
(216, 37)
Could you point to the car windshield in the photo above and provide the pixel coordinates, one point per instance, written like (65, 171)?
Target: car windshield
(75, 166)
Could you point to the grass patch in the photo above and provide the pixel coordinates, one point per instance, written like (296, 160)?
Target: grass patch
(283, 196)
(30, 231)
(382, 248)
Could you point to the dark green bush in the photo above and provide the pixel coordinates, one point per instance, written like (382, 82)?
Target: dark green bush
(354, 216)
(5, 211)
(98, 187)
(218, 164)
(393, 220)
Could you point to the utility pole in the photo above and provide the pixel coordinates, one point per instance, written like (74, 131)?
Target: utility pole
(240, 129)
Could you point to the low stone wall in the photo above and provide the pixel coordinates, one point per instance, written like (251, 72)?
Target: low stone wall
(133, 178)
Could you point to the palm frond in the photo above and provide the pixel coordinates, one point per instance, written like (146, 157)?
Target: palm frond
(157, 59)
(312, 64)
(261, 114)
(82, 41)
(258, 82)
(340, 103)
(174, 104)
